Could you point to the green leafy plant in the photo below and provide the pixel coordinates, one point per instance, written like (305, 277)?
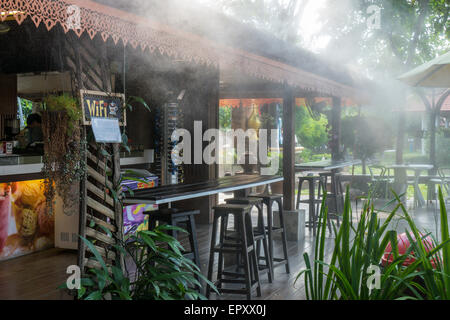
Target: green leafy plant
(225, 117)
(65, 104)
(160, 271)
(312, 134)
(63, 148)
(359, 247)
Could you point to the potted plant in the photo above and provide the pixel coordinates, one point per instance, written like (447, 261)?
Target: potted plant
(61, 115)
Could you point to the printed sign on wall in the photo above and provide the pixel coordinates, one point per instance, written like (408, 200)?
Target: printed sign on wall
(25, 223)
(103, 105)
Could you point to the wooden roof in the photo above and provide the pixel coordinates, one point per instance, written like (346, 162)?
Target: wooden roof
(276, 61)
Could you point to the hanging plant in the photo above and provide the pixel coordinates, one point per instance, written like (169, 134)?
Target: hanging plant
(63, 157)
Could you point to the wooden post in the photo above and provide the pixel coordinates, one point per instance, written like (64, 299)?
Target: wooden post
(289, 149)
(336, 129)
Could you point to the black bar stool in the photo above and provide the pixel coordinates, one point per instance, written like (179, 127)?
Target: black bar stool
(312, 201)
(269, 200)
(241, 242)
(335, 198)
(259, 233)
(177, 218)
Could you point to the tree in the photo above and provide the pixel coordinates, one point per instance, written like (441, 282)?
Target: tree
(278, 17)
(365, 136)
(225, 117)
(410, 33)
(311, 134)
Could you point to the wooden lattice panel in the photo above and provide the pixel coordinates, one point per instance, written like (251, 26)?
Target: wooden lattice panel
(101, 220)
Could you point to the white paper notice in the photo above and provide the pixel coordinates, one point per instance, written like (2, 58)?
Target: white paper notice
(106, 130)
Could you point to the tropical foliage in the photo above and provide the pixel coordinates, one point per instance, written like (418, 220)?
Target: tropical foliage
(358, 249)
(63, 157)
(312, 134)
(158, 270)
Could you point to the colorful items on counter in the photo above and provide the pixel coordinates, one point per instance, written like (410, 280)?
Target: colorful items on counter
(25, 225)
(133, 216)
(151, 182)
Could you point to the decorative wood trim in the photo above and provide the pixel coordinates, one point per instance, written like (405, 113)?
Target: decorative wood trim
(101, 223)
(96, 180)
(89, 263)
(100, 236)
(100, 163)
(99, 178)
(141, 32)
(109, 255)
(99, 193)
(100, 208)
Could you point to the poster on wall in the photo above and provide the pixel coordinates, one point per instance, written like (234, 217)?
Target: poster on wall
(103, 105)
(25, 225)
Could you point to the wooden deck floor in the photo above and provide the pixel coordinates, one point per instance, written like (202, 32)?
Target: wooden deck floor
(37, 276)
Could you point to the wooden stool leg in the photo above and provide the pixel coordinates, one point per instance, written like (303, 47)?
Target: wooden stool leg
(269, 230)
(262, 229)
(211, 255)
(151, 223)
(220, 262)
(341, 194)
(236, 229)
(193, 242)
(247, 273)
(173, 223)
(253, 257)
(151, 226)
(283, 234)
(312, 218)
(299, 192)
(267, 259)
(320, 194)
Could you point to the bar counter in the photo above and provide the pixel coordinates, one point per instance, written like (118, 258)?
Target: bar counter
(28, 167)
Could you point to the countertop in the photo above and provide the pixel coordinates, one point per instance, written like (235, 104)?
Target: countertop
(11, 165)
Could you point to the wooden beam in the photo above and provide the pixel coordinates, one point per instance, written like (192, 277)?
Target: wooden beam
(289, 149)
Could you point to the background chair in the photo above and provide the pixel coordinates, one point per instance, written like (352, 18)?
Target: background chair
(380, 181)
(443, 180)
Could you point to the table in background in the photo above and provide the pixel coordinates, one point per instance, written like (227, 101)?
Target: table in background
(417, 168)
(328, 166)
(325, 165)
